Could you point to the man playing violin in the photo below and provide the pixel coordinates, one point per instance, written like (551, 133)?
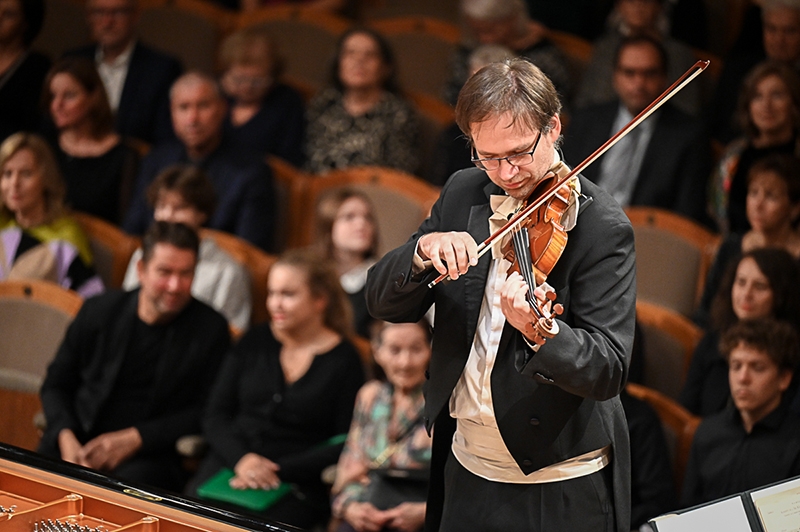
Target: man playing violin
(529, 432)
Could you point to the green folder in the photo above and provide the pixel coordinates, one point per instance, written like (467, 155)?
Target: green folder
(219, 489)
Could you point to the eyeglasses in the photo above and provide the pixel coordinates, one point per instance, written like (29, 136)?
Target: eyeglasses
(518, 159)
(257, 82)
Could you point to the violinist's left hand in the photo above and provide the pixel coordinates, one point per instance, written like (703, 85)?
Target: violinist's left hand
(516, 309)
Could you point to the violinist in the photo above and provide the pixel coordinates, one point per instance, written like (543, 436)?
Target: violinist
(529, 433)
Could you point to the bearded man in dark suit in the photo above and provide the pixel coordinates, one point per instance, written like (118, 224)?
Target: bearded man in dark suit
(528, 434)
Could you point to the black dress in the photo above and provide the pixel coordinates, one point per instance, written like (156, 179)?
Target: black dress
(101, 185)
(253, 409)
(20, 93)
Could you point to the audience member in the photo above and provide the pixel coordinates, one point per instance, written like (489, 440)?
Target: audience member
(22, 70)
(780, 21)
(265, 116)
(242, 181)
(184, 194)
(769, 111)
(506, 22)
(98, 167)
(136, 77)
(361, 119)
(37, 238)
(665, 161)
(287, 388)
(773, 207)
(637, 18)
(763, 283)
(134, 369)
(347, 236)
(454, 152)
(756, 441)
(388, 438)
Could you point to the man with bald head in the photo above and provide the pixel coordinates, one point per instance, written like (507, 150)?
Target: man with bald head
(242, 181)
(136, 77)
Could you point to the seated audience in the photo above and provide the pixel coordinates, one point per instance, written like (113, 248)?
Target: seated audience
(22, 70)
(637, 18)
(361, 119)
(136, 77)
(264, 115)
(287, 389)
(135, 368)
(506, 22)
(773, 207)
(183, 194)
(769, 111)
(37, 238)
(756, 441)
(241, 179)
(778, 39)
(347, 236)
(665, 161)
(453, 151)
(388, 434)
(762, 283)
(98, 167)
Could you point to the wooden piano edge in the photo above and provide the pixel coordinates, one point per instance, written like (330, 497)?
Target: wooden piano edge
(188, 515)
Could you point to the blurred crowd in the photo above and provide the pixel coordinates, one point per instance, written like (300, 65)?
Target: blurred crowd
(118, 130)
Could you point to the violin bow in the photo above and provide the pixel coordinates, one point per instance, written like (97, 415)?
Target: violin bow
(687, 77)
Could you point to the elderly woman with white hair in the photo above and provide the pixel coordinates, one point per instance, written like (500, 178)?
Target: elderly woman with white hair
(506, 23)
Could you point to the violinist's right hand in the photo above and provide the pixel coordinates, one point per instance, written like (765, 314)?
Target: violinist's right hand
(450, 253)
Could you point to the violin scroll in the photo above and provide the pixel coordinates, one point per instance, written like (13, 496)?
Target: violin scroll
(545, 326)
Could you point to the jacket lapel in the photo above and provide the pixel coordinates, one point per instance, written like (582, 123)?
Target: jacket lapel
(475, 278)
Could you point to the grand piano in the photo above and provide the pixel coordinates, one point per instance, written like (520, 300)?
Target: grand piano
(38, 494)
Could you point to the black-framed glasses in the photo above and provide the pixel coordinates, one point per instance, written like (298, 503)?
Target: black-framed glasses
(518, 159)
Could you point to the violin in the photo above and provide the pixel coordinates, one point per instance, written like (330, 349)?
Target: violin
(538, 237)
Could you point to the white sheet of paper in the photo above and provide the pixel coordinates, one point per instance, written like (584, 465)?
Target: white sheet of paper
(727, 516)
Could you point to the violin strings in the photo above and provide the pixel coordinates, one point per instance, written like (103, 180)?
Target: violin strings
(521, 240)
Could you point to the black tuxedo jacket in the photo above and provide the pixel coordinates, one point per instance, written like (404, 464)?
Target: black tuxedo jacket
(676, 165)
(143, 110)
(87, 364)
(561, 401)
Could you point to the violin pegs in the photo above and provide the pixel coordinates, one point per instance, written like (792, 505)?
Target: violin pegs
(558, 309)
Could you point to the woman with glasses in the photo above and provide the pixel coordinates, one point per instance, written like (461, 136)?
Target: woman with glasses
(361, 119)
(265, 116)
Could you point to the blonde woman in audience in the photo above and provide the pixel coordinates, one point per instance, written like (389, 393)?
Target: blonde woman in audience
(347, 235)
(264, 116)
(184, 194)
(773, 208)
(769, 113)
(37, 238)
(361, 119)
(388, 436)
(284, 397)
(98, 167)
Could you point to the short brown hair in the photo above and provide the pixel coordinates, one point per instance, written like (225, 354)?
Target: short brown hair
(323, 281)
(783, 165)
(175, 234)
(53, 185)
(747, 93)
(327, 210)
(190, 182)
(515, 86)
(777, 339)
(250, 46)
(83, 71)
